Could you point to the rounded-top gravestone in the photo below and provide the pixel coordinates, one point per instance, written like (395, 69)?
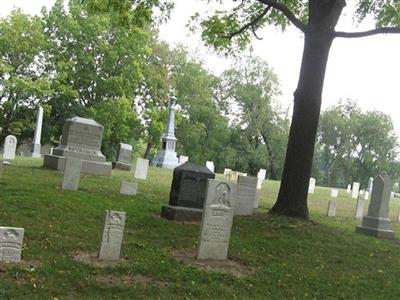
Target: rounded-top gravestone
(9, 148)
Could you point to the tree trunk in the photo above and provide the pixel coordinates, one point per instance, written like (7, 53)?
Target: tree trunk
(148, 149)
(292, 198)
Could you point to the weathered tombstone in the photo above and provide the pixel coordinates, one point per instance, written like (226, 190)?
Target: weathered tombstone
(183, 159)
(113, 232)
(334, 193)
(354, 191)
(376, 222)
(81, 139)
(9, 147)
(311, 186)
(217, 219)
(72, 172)
(38, 133)
(246, 196)
(128, 188)
(124, 157)
(11, 239)
(210, 165)
(142, 167)
(359, 208)
(331, 212)
(370, 184)
(348, 188)
(188, 191)
(262, 173)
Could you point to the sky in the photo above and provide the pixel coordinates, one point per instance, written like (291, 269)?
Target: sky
(366, 70)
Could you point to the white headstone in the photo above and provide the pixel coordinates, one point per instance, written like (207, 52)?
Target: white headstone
(217, 219)
(262, 173)
(142, 166)
(113, 232)
(183, 159)
(311, 186)
(128, 188)
(10, 145)
(72, 172)
(348, 188)
(246, 196)
(354, 191)
(11, 239)
(38, 133)
(359, 208)
(370, 184)
(331, 212)
(334, 193)
(210, 165)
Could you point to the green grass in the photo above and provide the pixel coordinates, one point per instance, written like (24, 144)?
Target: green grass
(292, 259)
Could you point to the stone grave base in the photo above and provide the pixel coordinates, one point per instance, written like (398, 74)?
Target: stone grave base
(88, 167)
(180, 213)
(121, 166)
(383, 234)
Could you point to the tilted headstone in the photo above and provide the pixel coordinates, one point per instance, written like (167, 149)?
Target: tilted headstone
(348, 188)
(128, 188)
(72, 172)
(210, 165)
(331, 212)
(217, 219)
(142, 167)
(9, 147)
(311, 186)
(81, 138)
(113, 232)
(246, 195)
(188, 191)
(354, 191)
(370, 184)
(11, 239)
(376, 222)
(38, 133)
(124, 157)
(334, 193)
(183, 159)
(359, 208)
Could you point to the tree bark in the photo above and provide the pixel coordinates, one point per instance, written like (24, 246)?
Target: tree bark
(148, 149)
(319, 34)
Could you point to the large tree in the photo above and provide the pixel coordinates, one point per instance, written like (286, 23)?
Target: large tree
(317, 20)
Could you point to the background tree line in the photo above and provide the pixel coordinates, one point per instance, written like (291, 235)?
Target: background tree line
(108, 64)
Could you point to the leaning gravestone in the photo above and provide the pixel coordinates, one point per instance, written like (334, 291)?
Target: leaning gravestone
(188, 191)
(359, 208)
(142, 167)
(217, 219)
(376, 222)
(124, 157)
(113, 232)
(11, 239)
(72, 172)
(331, 212)
(128, 188)
(81, 139)
(354, 191)
(9, 147)
(246, 196)
(210, 165)
(311, 186)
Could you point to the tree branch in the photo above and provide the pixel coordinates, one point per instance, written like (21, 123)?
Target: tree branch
(360, 34)
(251, 25)
(287, 13)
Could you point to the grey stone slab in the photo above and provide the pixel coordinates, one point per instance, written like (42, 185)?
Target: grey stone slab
(181, 213)
(355, 190)
(246, 196)
(142, 167)
(331, 212)
(72, 172)
(113, 232)
(377, 222)
(124, 157)
(9, 147)
(11, 239)
(128, 188)
(217, 219)
(359, 208)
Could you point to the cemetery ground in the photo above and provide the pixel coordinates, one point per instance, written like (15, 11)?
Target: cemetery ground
(279, 258)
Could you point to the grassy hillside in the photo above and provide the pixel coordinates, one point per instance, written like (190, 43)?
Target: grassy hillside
(288, 258)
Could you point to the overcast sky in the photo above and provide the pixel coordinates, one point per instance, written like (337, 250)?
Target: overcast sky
(366, 70)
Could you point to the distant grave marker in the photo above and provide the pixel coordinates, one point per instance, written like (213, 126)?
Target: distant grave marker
(331, 212)
(142, 167)
(9, 147)
(72, 172)
(11, 239)
(128, 188)
(113, 232)
(246, 196)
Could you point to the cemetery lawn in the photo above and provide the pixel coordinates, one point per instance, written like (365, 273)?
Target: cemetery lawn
(288, 258)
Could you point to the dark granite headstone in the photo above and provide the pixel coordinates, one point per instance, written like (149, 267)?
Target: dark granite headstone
(188, 191)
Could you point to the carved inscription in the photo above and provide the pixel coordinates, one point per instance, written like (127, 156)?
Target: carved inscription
(11, 243)
(112, 235)
(87, 136)
(189, 189)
